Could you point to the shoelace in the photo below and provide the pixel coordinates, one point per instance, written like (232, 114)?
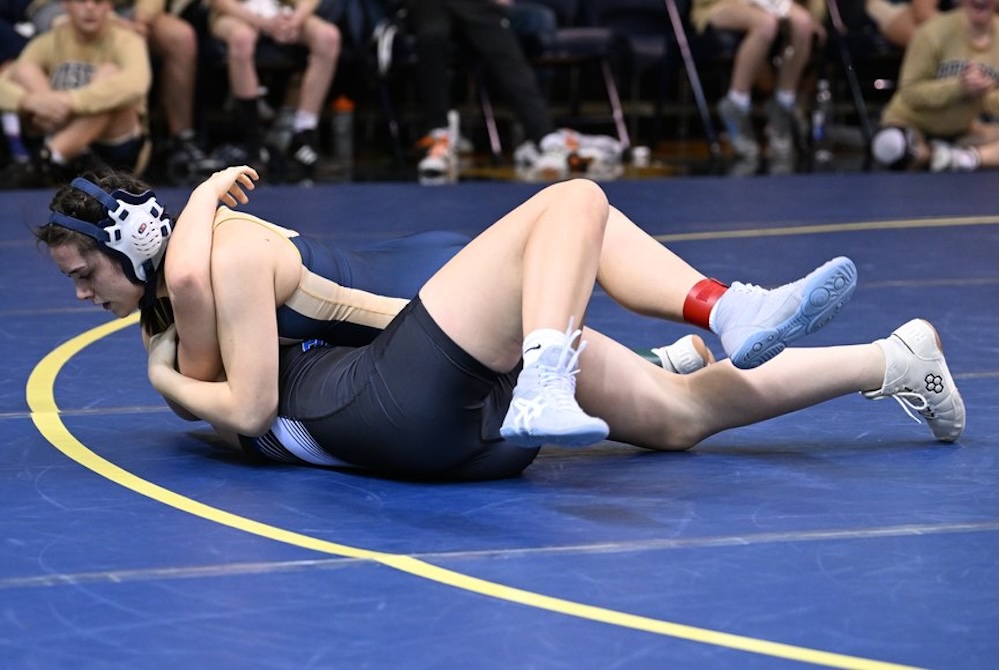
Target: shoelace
(911, 403)
(558, 382)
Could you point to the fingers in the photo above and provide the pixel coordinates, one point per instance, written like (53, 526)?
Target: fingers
(237, 178)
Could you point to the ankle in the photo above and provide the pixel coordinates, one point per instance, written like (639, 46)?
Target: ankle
(699, 305)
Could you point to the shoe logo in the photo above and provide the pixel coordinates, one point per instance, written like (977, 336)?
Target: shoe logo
(536, 346)
(934, 383)
(306, 155)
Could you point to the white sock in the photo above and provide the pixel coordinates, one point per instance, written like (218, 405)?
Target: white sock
(304, 121)
(965, 159)
(56, 157)
(741, 100)
(786, 99)
(538, 340)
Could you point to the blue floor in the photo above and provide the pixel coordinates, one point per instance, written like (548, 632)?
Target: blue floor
(840, 536)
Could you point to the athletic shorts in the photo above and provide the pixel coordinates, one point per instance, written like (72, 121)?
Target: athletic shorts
(410, 404)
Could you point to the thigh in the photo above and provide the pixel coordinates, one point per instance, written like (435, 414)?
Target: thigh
(409, 404)
(737, 16)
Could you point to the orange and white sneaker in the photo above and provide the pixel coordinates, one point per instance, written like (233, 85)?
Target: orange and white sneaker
(439, 164)
(916, 376)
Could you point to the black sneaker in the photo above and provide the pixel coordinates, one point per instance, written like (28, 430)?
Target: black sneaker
(187, 164)
(303, 156)
(37, 172)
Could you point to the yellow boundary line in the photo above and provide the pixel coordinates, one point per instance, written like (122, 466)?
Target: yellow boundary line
(45, 415)
(832, 228)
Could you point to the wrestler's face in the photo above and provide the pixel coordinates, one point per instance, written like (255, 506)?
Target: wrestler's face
(98, 278)
(88, 17)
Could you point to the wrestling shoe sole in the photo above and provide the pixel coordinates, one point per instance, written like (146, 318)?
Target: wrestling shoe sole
(823, 298)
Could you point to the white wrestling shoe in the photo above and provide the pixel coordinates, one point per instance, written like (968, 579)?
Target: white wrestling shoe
(916, 376)
(756, 324)
(544, 410)
(686, 355)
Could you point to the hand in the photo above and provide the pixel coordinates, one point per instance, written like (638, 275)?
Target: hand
(163, 351)
(975, 81)
(50, 109)
(229, 184)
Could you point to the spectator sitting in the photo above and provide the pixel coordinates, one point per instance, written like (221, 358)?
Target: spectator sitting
(15, 31)
(944, 114)
(173, 41)
(761, 22)
(484, 26)
(239, 25)
(84, 85)
(898, 20)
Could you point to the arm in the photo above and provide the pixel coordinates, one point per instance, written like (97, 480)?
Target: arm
(187, 269)
(924, 9)
(918, 85)
(243, 277)
(128, 86)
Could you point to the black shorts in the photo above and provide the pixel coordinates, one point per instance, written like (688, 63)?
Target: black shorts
(412, 403)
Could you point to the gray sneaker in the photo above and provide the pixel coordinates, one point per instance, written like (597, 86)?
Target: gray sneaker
(756, 324)
(916, 376)
(544, 410)
(781, 127)
(739, 127)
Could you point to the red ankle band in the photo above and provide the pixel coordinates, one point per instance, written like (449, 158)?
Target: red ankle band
(700, 300)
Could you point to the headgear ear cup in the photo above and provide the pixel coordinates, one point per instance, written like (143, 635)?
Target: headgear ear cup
(134, 230)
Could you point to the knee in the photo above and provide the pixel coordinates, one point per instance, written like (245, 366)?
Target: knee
(766, 27)
(242, 43)
(588, 194)
(325, 40)
(175, 39)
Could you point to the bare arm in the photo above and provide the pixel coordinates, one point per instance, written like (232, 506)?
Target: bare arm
(242, 273)
(187, 269)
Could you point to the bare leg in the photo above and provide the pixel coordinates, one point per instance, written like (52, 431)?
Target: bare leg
(802, 33)
(534, 268)
(174, 39)
(760, 28)
(648, 407)
(241, 43)
(323, 41)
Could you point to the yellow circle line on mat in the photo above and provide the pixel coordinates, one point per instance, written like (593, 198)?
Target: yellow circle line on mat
(815, 229)
(45, 415)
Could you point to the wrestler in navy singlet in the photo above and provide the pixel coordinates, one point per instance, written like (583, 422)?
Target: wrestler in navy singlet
(347, 296)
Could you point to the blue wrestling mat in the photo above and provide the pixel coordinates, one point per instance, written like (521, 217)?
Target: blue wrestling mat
(841, 536)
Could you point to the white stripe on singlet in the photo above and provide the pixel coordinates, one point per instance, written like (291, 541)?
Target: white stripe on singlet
(295, 439)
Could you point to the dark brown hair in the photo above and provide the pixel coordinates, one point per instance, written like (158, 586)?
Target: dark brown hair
(154, 318)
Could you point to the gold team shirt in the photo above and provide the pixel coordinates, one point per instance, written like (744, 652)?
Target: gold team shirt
(929, 95)
(70, 65)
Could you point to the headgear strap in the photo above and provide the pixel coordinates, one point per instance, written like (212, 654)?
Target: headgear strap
(134, 230)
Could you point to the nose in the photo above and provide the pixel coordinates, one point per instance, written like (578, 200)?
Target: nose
(83, 291)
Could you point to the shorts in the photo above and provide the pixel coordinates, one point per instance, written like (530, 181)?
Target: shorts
(411, 404)
(128, 155)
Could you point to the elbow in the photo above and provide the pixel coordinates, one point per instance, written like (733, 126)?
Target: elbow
(255, 418)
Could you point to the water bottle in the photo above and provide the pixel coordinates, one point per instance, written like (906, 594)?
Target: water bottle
(820, 119)
(343, 135)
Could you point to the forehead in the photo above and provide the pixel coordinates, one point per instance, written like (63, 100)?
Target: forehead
(69, 258)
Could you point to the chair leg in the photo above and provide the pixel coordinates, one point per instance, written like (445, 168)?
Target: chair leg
(392, 118)
(680, 34)
(615, 104)
(489, 117)
(859, 104)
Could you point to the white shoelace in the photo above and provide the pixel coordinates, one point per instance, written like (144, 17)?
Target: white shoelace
(910, 402)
